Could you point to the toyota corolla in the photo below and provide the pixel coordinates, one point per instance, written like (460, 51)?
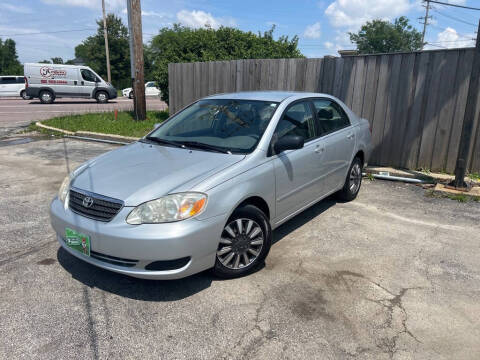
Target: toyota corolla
(206, 188)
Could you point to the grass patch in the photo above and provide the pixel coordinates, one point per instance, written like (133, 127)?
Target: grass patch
(474, 176)
(105, 123)
(463, 198)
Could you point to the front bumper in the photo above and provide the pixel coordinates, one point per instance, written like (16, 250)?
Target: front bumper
(196, 239)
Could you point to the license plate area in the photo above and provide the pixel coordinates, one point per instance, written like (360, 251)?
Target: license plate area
(77, 241)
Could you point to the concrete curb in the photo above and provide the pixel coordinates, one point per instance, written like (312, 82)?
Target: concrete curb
(90, 134)
(39, 124)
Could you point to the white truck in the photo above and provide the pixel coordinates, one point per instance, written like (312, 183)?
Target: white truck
(49, 81)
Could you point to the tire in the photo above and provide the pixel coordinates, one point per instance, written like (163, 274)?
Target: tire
(101, 97)
(353, 181)
(46, 97)
(130, 95)
(246, 252)
(24, 95)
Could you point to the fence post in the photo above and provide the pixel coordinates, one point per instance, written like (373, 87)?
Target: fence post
(469, 119)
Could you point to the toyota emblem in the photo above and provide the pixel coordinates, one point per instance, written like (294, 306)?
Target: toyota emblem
(87, 202)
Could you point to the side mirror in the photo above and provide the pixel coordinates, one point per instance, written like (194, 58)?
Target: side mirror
(156, 126)
(289, 142)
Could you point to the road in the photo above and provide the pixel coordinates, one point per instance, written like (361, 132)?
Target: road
(16, 112)
(391, 275)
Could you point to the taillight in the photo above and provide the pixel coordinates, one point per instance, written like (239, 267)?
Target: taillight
(26, 82)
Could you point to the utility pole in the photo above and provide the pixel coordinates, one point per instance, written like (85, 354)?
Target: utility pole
(466, 139)
(425, 21)
(107, 50)
(136, 58)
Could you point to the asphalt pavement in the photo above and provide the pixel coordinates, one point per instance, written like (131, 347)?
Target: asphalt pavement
(391, 275)
(16, 112)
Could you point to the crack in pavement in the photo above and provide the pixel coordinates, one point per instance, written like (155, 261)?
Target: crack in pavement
(249, 349)
(387, 344)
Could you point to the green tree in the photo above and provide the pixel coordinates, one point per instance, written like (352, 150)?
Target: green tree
(183, 44)
(379, 36)
(92, 50)
(9, 64)
(57, 60)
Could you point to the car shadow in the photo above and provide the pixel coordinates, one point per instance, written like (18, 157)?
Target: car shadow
(133, 288)
(303, 218)
(169, 290)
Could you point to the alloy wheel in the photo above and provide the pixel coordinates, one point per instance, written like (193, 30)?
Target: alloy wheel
(241, 243)
(355, 178)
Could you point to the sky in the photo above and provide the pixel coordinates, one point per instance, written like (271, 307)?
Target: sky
(44, 29)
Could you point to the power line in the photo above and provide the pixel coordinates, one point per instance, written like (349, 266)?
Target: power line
(454, 18)
(459, 34)
(447, 4)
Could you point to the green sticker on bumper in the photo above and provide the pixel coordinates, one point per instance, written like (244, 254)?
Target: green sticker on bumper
(77, 241)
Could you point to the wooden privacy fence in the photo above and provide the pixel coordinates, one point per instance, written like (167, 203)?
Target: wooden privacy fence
(415, 102)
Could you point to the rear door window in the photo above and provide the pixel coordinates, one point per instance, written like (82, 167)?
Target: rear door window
(330, 115)
(9, 80)
(20, 80)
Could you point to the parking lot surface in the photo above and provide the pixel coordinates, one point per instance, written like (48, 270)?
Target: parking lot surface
(15, 112)
(391, 275)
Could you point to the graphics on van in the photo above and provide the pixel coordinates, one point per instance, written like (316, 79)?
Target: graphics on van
(47, 72)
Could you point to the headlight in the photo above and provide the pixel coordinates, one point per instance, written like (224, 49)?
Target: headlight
(63, 191)
(169, 208)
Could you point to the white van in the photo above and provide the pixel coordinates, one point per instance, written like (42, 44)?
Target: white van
(49, 81)
(13, 85)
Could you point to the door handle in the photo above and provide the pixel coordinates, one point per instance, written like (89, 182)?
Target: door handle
(83, 83)
(75, 82)
(319, 149)
(350, 136)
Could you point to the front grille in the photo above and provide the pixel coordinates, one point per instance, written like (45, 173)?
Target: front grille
(113, 259)
(101, 207)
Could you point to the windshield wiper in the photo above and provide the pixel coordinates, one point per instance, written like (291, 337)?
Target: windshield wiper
(163, 141)
(199, 145)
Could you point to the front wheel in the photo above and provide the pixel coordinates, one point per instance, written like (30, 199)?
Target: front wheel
(101, 97)
(244, 243)
(130, 95)
(353, 181)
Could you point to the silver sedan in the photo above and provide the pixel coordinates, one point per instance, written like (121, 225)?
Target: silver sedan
(206, 188)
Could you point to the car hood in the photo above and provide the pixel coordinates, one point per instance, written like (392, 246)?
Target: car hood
(127, 89)
(141, 172)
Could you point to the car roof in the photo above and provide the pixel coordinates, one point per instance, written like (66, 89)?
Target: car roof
(274, 96)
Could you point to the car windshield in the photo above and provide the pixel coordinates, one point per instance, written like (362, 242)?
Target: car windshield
(228, 125)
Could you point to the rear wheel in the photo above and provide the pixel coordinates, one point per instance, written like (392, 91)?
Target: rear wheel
(101, 97)
(130, 95)
(244, 243)
(352, 182)
(24, 95)
(46, 97)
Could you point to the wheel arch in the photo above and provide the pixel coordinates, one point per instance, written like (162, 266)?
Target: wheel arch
(256, 201)
(361, 155)
(96, 91)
